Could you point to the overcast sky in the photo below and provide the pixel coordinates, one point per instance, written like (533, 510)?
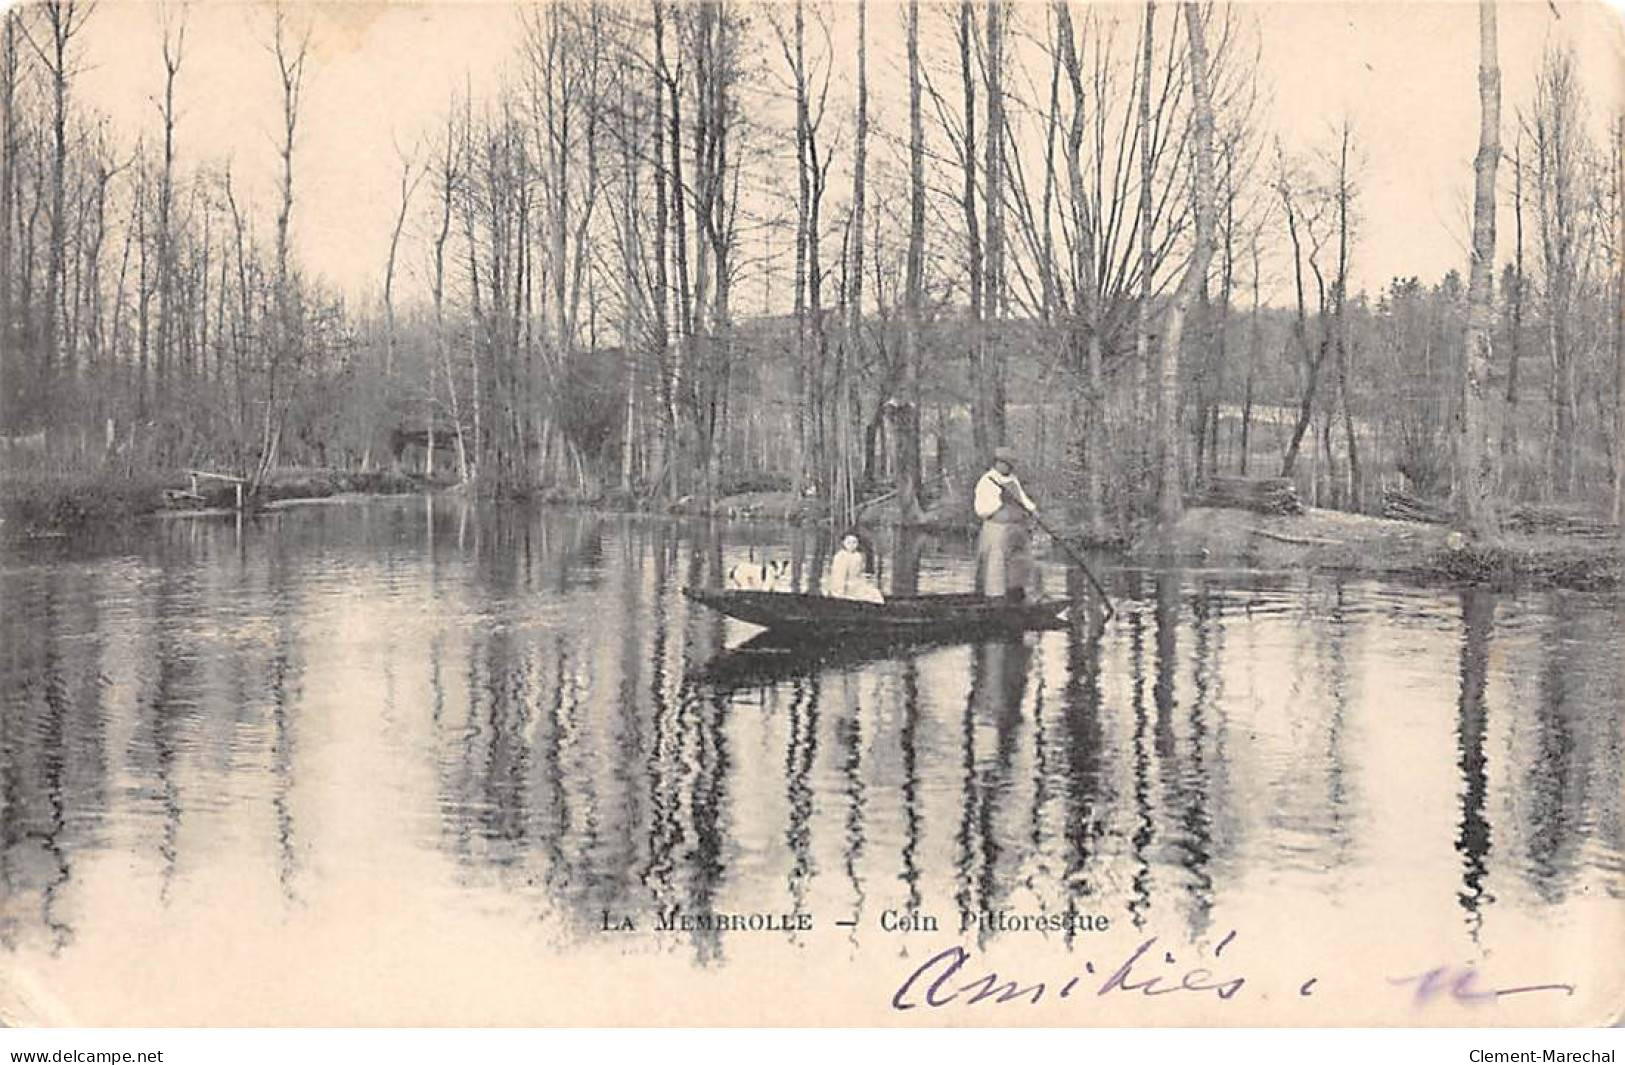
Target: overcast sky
(1405, 73)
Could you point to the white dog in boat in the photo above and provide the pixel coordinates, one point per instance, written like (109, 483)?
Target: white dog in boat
(765, 576)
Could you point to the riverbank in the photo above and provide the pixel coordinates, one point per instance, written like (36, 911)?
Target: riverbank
(1336, 541)
(41, 507)
(38, 506)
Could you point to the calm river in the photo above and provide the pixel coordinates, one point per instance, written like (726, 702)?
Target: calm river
(386, 761)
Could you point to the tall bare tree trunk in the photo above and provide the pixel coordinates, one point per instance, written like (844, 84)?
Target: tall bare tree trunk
(408, 184)
(1514, 302)
(718, 230)
(448, 177)
(1086, 296)
(633, 307)
(1252, 364)
(1169, 502)
(480, 331)
(1220, 327)
(290, 59)
(143, 293)
(666, 429)
(1313, 356)
(907, 494)
(168, 318)
(906, 438)
(974, 266)
(683, 367)
(240, 341)
(809, 414)
(993, 284)
(1142, 320)
(1619, 320)
(1558, 144)
(11, 377)
(1340, 318)
(1474, 476)
(64, 20)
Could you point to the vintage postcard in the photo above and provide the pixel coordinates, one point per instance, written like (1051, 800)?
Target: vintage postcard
(875, 512)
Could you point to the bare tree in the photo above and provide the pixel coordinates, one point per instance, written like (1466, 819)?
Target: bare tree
(64, 19)
(975, 268)
(1558, 139)
(631, 126)
(666, 366)
(1513, 288)
(1344, 193)
(713, 38)
(906, 411)
(1253, 339)
(479, 328)
(1169, 502)
(244, 316)
(410, 174)
(809, 354)
(144, 283)
(10, 74)
(1474, 478)
(1144, 134)
(1303, 222)
(683, 357)
(289, 52)
(989, 380)
(169, 320)
(1618, 332)
(1086, 331)
(448, 178)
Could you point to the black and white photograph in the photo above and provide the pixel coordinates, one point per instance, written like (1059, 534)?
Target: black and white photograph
(819, 513)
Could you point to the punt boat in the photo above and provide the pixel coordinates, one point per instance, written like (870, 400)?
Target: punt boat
(796, 616)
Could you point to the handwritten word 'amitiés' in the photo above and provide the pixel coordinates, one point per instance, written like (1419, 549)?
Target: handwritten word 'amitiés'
(943, 981)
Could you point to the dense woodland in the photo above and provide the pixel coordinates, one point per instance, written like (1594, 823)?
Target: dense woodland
(1069, 244)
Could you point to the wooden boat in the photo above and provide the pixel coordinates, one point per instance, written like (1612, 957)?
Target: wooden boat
(821, 617)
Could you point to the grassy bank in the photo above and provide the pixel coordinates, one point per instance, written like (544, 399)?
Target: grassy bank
(36, 506)
(45, 505)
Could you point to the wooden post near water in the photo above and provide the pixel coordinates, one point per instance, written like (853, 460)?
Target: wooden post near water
(237, 482)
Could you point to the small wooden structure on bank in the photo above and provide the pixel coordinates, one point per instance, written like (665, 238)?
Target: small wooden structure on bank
(193, 495)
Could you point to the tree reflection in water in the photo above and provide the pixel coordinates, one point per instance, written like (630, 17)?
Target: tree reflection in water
(1473, 840)
(590, 745)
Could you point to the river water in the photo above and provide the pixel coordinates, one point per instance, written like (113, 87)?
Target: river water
(387, 762)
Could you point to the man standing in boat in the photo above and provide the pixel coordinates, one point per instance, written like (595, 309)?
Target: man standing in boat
(1004, 564)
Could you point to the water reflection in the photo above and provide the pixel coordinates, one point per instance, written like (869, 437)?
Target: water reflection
(1473, 841)
(1555, 781)
(1143, 830)
(993, 722)
(525, 702)
(1079, 764)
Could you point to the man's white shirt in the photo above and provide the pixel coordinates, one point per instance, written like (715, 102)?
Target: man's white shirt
(989, 497)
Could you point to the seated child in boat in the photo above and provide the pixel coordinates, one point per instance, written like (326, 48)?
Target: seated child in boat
(848, 573)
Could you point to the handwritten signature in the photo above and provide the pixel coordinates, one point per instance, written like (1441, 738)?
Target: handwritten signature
(949, 978)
